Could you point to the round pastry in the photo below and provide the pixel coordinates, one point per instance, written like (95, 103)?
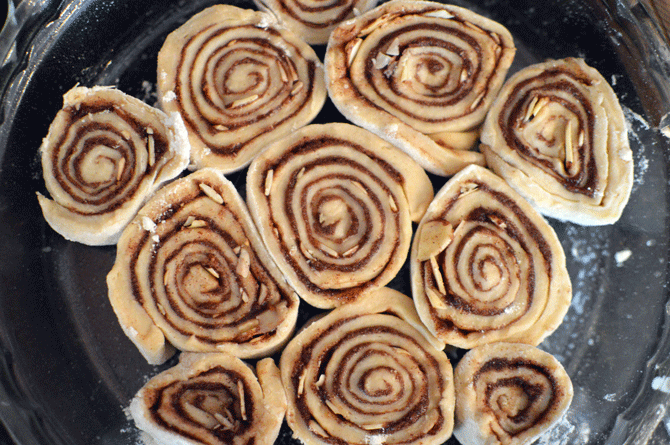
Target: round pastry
(558, 136)
(368, 373)
(192, 272)
(240, 81)
(334, 205)
(105, 153)
(485, 266)
(312, 20)
(508, 393)
(421, 75)
(212, 399)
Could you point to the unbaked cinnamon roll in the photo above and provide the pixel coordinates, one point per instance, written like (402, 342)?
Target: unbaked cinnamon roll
(485, 266)
(557, 134)
(105, 153)
(368, 373)
(314, 20)
(240, 81)
(212, 399)
(334, 205)
(508, 393)
(421, 75)
(191, 272)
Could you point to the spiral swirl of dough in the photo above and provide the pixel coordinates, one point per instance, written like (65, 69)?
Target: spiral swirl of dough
(314, 20)
(212, 399)
(335, 204)
(368, 372)
(240, 81)
(105, 153)
(558, 135)
(508, 393)
(486, 266)
(192, 270)
(421, 75)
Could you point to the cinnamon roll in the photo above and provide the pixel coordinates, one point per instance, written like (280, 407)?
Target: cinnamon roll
(105, 153)
(191, 272)
(558, 136)
(368, 373)
(212, 399)
(508, 393)
(421, 75)
(311, 20)
(485, 266)
(240, 81)
(334, 205)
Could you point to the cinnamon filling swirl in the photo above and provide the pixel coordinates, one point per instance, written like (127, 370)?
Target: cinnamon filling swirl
(486, 267)
(557, 134)
(421, 75)
(508, 393)
(368, 371)
(335, 204)
(191, 271)
(240, 81)
(104, 154)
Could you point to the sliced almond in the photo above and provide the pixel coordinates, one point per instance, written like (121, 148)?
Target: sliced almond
(393, 204)
(438, 276)
(305, 251)
(301, 383)
(212, 272)
(297, 87)
(268, 182)
(244, 101)
(351, 49)
(223, 421)
(282, 73)
(531, 107)
(240, 391)
(243, 263)
(262, 294)
(119, 168)
(198, 223)
(434, 237)
(152, 150)
(381, 61)
(373, 426)
(439, 14)
(477, 100)
(351, 251)
(329, 251)
(211, 193)
(569, 155)
(394, 48)
(435, 300)
(468, 188)
(539, 105)
(189, 221)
